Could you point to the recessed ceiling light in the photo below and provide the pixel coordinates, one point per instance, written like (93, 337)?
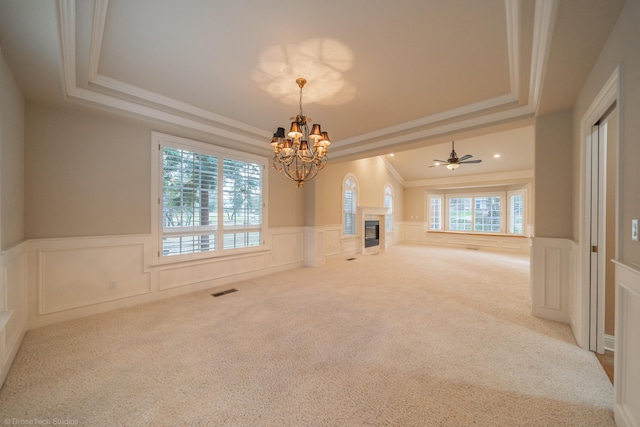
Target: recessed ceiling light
(496, 155)
(391, 154)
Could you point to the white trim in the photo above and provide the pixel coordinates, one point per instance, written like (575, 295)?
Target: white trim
(543, 25)
(513, 44)
(154, 106)
(362, 143)
(160, 139)
(475, 108)
(551, 274)
(610, 93)
(626, 358)
(609, 342)
(97, 33)
(392, 170)
(466, 179)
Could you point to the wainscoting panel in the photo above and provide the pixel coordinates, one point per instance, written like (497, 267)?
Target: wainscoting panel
(173, 276)
(627, 346)
(332, 244)
(550, 278)
(288, 245)
(75, 277)
(499, 243)
(412, 232)
(13, 305)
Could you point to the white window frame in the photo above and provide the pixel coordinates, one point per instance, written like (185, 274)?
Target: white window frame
(428, 216)
(158, 142)
(522, 193)
(444, 219)
(354, 188)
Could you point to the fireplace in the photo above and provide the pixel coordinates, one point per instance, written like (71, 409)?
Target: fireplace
(370, 229)
(371, 233)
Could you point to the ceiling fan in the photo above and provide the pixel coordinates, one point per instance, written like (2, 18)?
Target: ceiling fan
(454, 162)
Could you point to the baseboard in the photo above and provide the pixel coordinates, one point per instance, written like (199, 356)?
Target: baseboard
(609, 342)
(10, 356)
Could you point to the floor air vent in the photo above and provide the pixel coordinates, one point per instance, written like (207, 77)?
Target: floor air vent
(228, 291)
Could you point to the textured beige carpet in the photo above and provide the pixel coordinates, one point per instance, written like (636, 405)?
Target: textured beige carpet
(414, 337)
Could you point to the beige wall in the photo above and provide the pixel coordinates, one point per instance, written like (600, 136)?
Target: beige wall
(89, 175)
(621, 48)
(553, 212)
(372, 176)
(12, 107)
(85, 175)
(286, 201)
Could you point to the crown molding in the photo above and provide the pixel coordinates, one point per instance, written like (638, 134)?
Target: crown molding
(513, 44)
(444, 116)
(392, 170)
(201, 121)
(114, 95)
(543, 26)
(474, 122)
(473, 180)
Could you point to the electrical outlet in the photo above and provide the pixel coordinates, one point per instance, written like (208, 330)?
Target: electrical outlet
(634, 230)
(113, 284)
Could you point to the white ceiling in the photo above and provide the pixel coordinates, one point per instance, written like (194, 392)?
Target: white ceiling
(382, 76)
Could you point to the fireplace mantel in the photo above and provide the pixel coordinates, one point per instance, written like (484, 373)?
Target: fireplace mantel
(372, 212)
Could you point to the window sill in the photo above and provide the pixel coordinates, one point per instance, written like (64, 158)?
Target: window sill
(465, 233)
(205, 259)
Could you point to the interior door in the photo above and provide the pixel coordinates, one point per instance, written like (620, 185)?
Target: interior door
(603, 217)
(595, 212)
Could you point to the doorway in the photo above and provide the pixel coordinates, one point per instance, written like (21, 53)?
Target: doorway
(602, 164)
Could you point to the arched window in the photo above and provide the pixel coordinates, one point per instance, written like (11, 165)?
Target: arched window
(350, 202)
(388, 203)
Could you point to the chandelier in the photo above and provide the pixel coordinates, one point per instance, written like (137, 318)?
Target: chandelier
(295, 156)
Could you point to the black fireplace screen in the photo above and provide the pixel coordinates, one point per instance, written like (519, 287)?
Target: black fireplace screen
(371, 233)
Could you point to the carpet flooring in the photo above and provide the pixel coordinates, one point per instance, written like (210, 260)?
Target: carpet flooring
(417, 336)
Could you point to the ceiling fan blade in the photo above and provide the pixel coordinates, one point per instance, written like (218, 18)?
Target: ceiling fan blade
(435, 166)
(465, 157)
(440, 161)
(472, 161)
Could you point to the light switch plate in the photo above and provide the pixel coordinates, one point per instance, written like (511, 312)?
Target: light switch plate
(634, 230)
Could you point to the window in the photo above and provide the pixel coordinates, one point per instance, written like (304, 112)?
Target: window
(388, 203)
(210, 199)
(460, 213)
(242, 204)
(477, 213)
(486, 214)
(350, 200)
(516, 212)
(435, 212)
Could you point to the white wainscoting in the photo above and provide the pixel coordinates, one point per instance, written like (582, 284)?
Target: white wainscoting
(415, 233)
(13, 305)
(74, 277)
(333, 241)
(499, 243)
(551, 275)
(627, 346)
(412, 232)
